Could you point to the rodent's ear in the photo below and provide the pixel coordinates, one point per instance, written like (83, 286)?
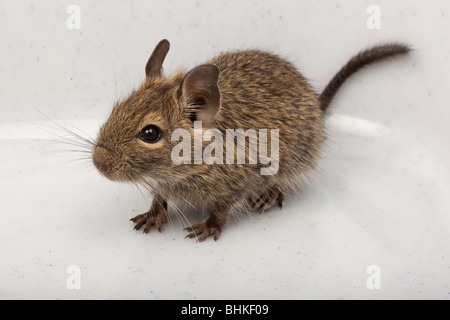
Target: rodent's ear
(154, 63)
(200, 95)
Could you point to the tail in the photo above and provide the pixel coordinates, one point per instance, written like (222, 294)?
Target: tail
(362, 59)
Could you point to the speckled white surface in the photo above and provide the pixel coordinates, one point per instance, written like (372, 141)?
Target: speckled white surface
(381, 195)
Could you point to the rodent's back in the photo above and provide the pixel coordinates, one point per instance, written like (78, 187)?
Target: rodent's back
(260, 90)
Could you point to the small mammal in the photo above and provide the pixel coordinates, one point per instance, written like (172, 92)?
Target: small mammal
(235, 90)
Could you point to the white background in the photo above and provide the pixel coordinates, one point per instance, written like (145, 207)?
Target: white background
(380, 195)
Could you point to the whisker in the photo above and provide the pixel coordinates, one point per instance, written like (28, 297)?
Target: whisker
(66, 140)
(70, 150)
(141, 181)
(115, 78)
(77, 147)
(177, 211)
(65, 152)
(130, 86)
(179, 214)
(76, 161)
(89, 138)
(57, 126)
(190, 204)
(82, 165)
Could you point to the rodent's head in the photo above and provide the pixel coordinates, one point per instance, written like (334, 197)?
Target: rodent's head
(135, 142)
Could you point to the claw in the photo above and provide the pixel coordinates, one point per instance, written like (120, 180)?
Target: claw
(203, 231)
(267, 199)
(149, 220)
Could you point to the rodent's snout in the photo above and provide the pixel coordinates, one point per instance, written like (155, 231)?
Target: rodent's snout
(98, 162)
(105, 162)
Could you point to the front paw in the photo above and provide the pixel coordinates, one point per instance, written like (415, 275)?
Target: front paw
(149, 219)
(204, 230)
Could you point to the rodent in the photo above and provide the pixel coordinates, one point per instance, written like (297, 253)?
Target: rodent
(236, 90)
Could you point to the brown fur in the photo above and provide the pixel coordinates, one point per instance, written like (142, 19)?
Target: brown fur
(258, 90)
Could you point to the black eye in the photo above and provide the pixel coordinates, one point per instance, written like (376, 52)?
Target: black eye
(150, 134)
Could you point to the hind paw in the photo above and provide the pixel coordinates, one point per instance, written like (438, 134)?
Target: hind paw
(266, 200)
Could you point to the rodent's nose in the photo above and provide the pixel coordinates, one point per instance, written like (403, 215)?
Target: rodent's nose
(100, 165)
(102, 160)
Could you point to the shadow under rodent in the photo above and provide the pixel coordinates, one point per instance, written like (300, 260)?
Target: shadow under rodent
(236, 90)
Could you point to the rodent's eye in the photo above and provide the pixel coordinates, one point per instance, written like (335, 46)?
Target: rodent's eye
(150, 134)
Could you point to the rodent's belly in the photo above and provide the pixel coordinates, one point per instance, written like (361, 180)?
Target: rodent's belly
(215, 184)
(186, 200)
